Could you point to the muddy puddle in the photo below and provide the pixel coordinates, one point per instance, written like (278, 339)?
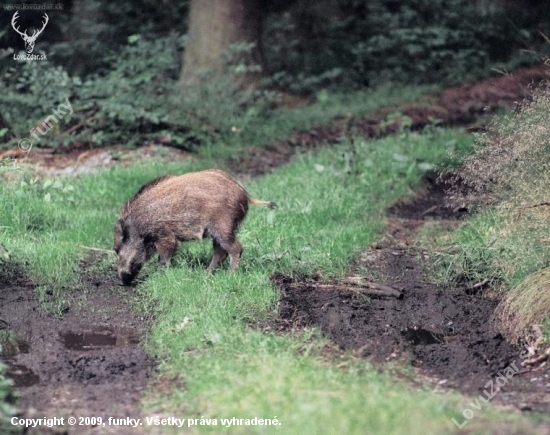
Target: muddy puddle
(444, 333)
(98, 339)
(90, 362)
(20, 375)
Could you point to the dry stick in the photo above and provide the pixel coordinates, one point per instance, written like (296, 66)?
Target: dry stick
(367, 288)
(429, 210)
(97, 249)
(360, 290)
(357, 280)
(540, 204)
(77, 126)
(537, 359)
(479, 284)
(81, 123)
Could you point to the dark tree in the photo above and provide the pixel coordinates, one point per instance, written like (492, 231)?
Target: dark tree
(213, 26)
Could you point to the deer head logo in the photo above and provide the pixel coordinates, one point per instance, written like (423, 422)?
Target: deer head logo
(29, 40)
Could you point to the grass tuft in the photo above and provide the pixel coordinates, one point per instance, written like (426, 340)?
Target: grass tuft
(526, 305)
(506, 243)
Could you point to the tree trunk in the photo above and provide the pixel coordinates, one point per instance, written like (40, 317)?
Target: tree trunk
(213, 26)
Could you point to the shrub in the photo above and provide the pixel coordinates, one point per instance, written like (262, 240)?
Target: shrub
(418, 41)
(137, 100)
(507, 243)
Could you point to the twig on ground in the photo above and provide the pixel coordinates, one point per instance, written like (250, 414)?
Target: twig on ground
(91, 248)
(533, 348)
(479, 284)
(537, 359)
(364, 287)
(539, 204)
(429, 210)
(357, 280)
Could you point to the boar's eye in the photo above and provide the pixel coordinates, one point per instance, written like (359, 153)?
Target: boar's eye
(115, 249)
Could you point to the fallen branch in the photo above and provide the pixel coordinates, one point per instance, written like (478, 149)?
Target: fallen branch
(362, 282)
(14, 153)
(91, 115)
(361, 290)
(533, 348)
(109, 251)
(365, 287)
(540, 204)
(429, 210)
(537, 359)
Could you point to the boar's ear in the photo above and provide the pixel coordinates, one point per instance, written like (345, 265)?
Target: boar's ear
(121, 231)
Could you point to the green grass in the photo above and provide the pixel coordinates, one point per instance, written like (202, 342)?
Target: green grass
(506, 242)
(329, 209)
(279, 123)
(508, 250)
(325, 217)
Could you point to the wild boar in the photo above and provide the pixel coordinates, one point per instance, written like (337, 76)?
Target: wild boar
(174, 209)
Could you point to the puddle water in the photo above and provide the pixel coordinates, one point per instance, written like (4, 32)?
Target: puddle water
(22, 376)
(12, 348)
(417, 336)
(98, 339)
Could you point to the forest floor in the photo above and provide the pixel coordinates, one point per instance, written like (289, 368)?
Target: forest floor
(445, 334)
(89, 362)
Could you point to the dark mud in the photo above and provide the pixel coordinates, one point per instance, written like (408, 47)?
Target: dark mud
(444, 333)
(464, 105)
(89, 362)
(86, 363)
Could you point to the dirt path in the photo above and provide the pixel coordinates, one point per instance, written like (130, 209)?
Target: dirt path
(461, 105)
(87, 363)
(444, 333)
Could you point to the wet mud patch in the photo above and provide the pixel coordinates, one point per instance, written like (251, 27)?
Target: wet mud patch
(430, 201)
(89, 362)
(444, 333)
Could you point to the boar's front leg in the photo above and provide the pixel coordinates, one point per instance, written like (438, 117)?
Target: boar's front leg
(166, 248)
(220, 254)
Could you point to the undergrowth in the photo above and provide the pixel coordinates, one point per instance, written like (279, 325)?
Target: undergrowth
(218, 115)
(506, 243)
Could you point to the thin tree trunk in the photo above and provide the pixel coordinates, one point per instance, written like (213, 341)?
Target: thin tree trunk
(213, 26)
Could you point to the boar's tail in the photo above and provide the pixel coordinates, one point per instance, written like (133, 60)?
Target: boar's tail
(268, 204)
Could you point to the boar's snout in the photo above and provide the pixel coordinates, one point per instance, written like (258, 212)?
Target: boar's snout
(127, 272)
(126, 277)
(128, 269)
(131, 258)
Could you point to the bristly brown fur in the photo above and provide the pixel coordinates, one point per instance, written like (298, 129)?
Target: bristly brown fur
(174, 209)
(147, 186)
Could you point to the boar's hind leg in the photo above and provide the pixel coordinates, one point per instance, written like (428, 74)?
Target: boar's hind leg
(234, 248)
(220, 254)
(166, 248)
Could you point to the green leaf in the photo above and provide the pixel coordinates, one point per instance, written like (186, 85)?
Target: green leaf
(132, 39)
